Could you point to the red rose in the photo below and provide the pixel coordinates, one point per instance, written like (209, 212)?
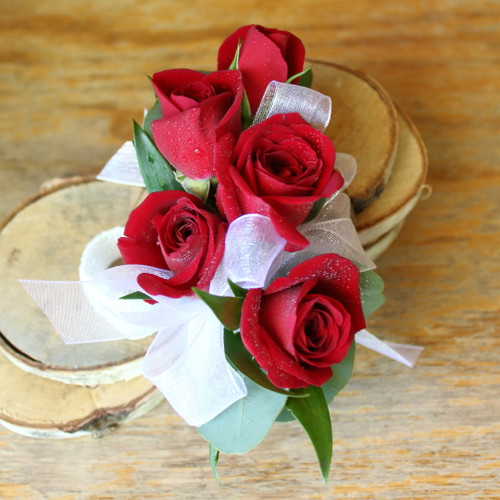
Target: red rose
(171, 230)
(282, 166)
(201, 118)
(303, 324)
(266, 54)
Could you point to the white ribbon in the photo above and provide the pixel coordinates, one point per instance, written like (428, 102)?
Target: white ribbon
(404, 353)
(186, 361)
(254, 251)
(314, 107)
(199, 383)
(123, 167)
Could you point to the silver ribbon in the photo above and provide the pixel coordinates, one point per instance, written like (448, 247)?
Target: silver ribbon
(314, 107)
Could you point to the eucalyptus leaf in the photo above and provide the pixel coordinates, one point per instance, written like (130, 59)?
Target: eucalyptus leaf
(157, 173)
(285, 416)
(341, 374)
(227, 309)
(241, 359)
(244, 424)
(213, 456)
(372, 288)
(313, 414)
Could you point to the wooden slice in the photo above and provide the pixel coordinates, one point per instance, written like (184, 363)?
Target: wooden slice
(364, 124)
(40, 407)
(403, 189)
(44, 239)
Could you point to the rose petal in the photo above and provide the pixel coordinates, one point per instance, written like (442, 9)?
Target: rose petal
(337, 278)
(269, 355)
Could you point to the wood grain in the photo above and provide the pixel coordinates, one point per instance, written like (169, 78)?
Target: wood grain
(72, 80)
(39, 407)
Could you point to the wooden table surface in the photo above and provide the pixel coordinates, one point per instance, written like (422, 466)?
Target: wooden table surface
(72, 77)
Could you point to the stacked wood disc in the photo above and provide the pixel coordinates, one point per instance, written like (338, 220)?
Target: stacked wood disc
(48, 388)
(51, 389)
(391, 157)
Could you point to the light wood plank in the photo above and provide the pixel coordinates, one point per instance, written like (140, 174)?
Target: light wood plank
(72, 79)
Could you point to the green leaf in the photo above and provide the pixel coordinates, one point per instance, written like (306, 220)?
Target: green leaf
(234, 62)
(372, 288)
(241, 359)
(341, 374)
(237, 290)
(227, 309)
(198, 187)
(244, 424)
(213, 455)
(157, 173)
(305, 78)
(246, 112)
(313, 414)
(136, 295)
(153, 114)
(318, 205)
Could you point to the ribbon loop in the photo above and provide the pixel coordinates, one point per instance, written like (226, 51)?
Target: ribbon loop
(253, 251)
(189, 367)
(347, 166)
(314, 107)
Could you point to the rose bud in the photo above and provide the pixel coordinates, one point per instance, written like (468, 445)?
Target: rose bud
(171, 230)
(301, 325)
(282, 166)
(201, 118)
(266, 54)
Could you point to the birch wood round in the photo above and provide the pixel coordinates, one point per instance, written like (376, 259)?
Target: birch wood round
(402, 191)
(391, 156)
(44, 239)
(39, 407)
(364, 124)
